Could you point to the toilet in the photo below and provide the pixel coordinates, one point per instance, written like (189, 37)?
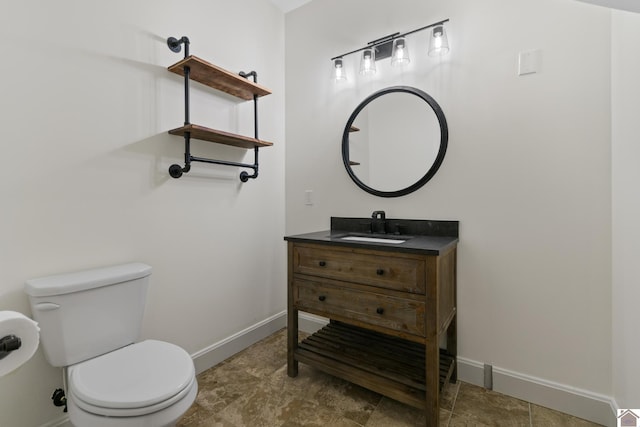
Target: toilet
(89, 325)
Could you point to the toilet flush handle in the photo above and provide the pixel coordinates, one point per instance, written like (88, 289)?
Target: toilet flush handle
(46, 306)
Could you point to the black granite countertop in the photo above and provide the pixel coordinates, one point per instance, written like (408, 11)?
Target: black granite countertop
(422, 236)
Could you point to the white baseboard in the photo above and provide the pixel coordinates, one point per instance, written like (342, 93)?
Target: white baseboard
(310, 323)
(59, 422)
(584, 404)
(218, 352)
(470, 371)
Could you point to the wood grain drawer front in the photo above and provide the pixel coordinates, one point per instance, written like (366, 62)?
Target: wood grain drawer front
(399, 314)
(381, 269)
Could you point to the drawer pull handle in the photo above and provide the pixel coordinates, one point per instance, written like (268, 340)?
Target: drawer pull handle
(322, 298)
(380, 310)
(379, 272)
(322, 263)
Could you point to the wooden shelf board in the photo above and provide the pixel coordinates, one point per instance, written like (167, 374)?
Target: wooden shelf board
(219, 78)
(354, 129)
(386, 364)
(220, 137)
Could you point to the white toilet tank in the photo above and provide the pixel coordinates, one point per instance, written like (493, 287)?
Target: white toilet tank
(88, 313)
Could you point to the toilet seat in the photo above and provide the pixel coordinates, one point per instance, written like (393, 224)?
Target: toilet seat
(136, 380)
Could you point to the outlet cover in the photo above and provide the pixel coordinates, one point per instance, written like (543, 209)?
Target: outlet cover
(529, 62)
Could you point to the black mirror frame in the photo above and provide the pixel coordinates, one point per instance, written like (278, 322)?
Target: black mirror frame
(444, 140)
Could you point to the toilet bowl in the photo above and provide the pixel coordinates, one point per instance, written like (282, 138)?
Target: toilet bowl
(150, 383)
(89, 323)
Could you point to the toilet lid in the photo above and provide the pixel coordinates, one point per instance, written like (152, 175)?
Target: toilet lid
(139, 375)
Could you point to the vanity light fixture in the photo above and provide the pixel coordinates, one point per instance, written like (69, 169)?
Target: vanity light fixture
(395, 46)
(438, 42)
(338, 72)
(400, 55)
(368, 62)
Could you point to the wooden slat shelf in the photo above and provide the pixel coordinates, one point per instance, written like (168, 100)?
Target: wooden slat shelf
(219, 78)
(218, 136)
(383, 363)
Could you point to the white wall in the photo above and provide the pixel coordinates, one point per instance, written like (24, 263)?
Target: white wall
(86, 102)
(626, 208)
(527, 173)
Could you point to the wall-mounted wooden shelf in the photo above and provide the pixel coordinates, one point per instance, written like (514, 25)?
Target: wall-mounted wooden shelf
(238, 85)
(219, 78)
(220, 137)
(353, 129)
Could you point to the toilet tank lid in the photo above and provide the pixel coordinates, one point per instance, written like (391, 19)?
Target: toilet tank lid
(60, 284)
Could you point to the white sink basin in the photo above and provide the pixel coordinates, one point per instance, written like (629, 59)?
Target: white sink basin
(372, 239)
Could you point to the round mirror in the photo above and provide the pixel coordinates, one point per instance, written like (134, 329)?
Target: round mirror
(395, 141)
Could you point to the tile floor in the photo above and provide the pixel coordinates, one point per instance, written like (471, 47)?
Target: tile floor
(252, 389)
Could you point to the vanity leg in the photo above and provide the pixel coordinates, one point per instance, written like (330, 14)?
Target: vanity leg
(452, 330)
(292, 320)
(432, 408)
(292, 342)
(452, 348)
(432, 345)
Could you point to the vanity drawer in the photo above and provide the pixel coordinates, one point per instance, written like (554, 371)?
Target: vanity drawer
(350, 303)
(402, 272)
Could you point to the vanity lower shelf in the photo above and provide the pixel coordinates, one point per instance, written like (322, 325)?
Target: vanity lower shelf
(388, 365)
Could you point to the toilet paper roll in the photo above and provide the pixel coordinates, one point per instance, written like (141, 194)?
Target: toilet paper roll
(14, 323)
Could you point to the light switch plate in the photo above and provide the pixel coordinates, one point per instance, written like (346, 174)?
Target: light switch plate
(529, 62)
(308, 197)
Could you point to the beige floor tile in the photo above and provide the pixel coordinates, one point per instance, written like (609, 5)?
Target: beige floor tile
(545, 417)
(211, 421)
(306, 385)
(448, 396)
(488, 408)
(347, 400)
(197, 416)
(194, 416)
(460, 421)
(342, 398)
(265, 357)
(311, 415)
(390, 413)
(222, 385)
(262, 407)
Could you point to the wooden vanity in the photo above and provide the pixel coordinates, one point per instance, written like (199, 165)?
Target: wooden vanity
(392, 306)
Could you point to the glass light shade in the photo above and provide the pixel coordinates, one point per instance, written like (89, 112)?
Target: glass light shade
(368, 62)
(400, 53)
(438, 43)
(337, 72)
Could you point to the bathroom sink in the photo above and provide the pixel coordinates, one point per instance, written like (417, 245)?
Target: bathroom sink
(373, 239)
